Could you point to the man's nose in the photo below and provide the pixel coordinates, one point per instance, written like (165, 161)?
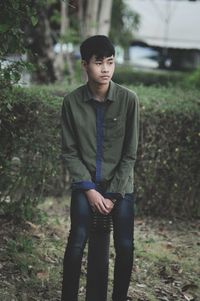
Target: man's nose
(104, 68)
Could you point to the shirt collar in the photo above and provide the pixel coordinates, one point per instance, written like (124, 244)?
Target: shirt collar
(87, 95)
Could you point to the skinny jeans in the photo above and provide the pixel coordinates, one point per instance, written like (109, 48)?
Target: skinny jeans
(123, 234)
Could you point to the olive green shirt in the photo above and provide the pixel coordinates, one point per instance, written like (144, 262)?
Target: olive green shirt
(100, 139)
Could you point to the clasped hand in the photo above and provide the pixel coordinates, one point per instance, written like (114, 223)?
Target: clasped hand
(98, 202)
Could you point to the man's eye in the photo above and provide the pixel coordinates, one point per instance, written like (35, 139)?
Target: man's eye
(98, 63)
(110, 63)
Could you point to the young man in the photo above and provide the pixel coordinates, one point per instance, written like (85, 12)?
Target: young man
(100, 123)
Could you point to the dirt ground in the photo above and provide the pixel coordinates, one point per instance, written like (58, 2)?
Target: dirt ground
(166, 265)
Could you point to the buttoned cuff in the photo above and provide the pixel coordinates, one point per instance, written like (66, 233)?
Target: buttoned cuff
(83, 185)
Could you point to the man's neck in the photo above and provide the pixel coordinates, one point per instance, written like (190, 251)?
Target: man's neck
(99, 92)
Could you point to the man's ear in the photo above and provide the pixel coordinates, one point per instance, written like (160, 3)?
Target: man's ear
(84, 64)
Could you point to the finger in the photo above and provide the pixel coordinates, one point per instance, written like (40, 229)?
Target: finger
(108, 203)
(106, 206)
(111, 209)
(99, 209)
(104, 210)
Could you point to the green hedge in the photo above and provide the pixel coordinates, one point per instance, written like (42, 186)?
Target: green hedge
(29, 150)
(129, 76)
(193, 79)
(167, 169)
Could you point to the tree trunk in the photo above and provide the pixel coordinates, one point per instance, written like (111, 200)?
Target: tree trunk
(61, 56)
(104, 17)
(59, 60)
(41, 44)
(94, 17)
(91, 18)
(81, 18)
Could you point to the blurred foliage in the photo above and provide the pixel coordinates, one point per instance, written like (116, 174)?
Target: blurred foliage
(10, 74)
(194, 79)
(129, 76)
(33, 28)
(167, 170)
(15, 16)
(123, 21)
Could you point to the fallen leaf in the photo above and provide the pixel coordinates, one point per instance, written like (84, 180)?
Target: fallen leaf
(169, 245)
(49, 259)
(141, 285)
(42, 275)
(38, 235)
(189, 286)
(139, 222)
(32, 226)
(188, 297)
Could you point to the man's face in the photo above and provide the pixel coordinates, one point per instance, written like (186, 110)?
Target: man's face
(100, 71)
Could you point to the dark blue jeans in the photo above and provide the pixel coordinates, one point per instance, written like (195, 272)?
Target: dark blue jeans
(81, 224)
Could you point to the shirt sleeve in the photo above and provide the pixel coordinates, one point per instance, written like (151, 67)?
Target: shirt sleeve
(124, 171)
(81, 178)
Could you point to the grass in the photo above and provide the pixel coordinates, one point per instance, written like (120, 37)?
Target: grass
(167, 259)
(166, 265)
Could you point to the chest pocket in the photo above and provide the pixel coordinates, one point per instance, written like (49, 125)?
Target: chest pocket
(114, 127)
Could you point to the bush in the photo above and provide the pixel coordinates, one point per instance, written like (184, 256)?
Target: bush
(193, 79)
(129, 76)
(29, 150)
(167, 170)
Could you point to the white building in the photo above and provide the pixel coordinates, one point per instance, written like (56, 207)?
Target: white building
(172, 25)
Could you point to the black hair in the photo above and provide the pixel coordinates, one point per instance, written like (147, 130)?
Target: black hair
(98, 45)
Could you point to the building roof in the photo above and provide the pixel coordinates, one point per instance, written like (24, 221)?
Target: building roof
(168, 23)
